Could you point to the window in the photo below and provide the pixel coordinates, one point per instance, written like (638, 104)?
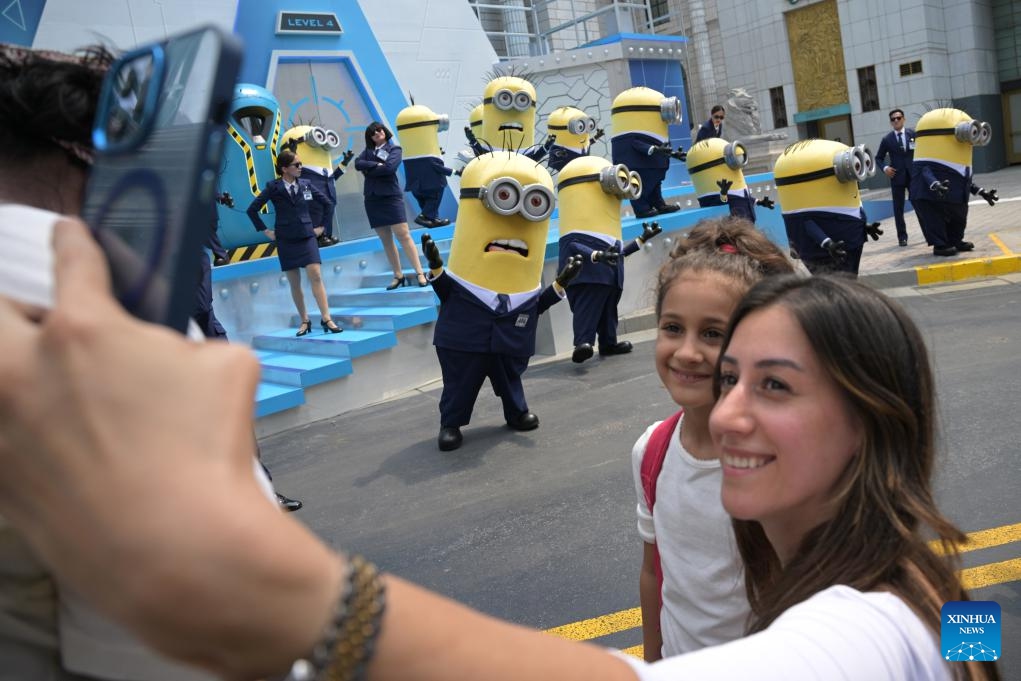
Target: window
(659, 9)
(779, 106)
(910, 69)
(869, 90)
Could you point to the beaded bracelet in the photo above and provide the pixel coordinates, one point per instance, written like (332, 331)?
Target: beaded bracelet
(348, 641)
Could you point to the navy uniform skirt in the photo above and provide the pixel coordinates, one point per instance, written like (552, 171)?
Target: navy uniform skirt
(384, 211)
(297, 253)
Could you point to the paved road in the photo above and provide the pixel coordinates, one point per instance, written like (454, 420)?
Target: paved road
(538, 527)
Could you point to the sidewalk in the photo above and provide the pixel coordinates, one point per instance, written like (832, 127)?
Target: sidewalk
(995, 231)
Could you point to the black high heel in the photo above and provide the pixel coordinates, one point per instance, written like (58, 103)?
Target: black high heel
(397, 283)
(306, 327)
(326, 324)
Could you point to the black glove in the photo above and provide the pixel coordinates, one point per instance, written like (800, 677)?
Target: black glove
(431, 252)
(226, 199)
(459, 171)
(470, 136)
(941, 187)
(724, 186)
(550, 141)
(681, 156)
(610, 256)
(872, 229)
(836, 249)
(662, 149)
(570, 271)
(346, 158)
(649, 231)
(765, 202)
(990, 196)
(599, 133)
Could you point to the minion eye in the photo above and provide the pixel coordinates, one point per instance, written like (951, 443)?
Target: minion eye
(317, 137)
(576, 126)
(634, 185)
(442, 123)
(503, 99)
(968, 132)
(735, 155)
(670, 110)
(332, 139)
(868, 162)
(504, 196)
(985, 134)
(590, 125)
(537, 204)
(848, 165)
(522, 101)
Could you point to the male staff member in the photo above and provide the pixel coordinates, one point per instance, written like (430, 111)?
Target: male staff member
(899, 144)
(714, 126)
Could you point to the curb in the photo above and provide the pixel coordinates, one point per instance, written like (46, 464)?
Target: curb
(944, 273)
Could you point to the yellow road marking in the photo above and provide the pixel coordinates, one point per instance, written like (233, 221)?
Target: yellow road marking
(603, 625)
(994, 573)
(984, 539)
(1003, 246)
(635, 651)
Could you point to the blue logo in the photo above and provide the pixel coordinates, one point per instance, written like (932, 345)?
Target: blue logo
(970, 630)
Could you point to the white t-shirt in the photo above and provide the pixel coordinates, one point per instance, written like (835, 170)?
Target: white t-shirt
(839, 634)
(704, 602)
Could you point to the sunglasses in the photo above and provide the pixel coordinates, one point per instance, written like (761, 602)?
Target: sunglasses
(896, 118)
(296, 164)
(718, 118)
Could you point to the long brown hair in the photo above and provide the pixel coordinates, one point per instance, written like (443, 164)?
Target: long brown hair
(877, 358)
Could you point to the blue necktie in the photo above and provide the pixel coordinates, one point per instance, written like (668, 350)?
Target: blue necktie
(900, 141)
(503, 304)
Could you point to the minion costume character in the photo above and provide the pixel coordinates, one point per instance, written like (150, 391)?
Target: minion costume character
(640, 141)
(490, 293)
(715, 169)
(315, 146)
(941, 177)
(589, 191)
(425, 174)
(508, 119)
(473, 129)
(817, 183)
(573, 133)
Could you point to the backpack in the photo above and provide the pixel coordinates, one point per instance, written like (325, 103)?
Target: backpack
(652, 464)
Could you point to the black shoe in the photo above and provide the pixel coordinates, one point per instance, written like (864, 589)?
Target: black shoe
(397, 283)
(621, 348)
(668, 208)
(218, 261)
(526, 421)
(902, 242)
(423, 220)
(330, 326)
(334, 240)
(944, 250)
(323, 241)
(305, 328)
(581, 353)
(965, 246)
(439, 222)
(289, 505)
(652, 212)
(450, 438)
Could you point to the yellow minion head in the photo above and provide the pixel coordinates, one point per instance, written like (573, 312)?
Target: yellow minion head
(571, 126)
(821, 174)
(502, 222)
(418, 130)
(508, 113)
(642, 109)
(315, 145)
(589, 192)
(715, 159)
(949, 135)
(475, 120)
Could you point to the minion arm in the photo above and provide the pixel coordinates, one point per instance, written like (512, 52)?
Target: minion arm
(765, 202)
(989, 195)
(432, 255)
(567, 275)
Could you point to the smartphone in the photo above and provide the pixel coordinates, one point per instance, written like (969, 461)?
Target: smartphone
(159, 135)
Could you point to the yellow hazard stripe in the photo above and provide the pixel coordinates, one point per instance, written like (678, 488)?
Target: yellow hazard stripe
(255, 252)
(253, 180)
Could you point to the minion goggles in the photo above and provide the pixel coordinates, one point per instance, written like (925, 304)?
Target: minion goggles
(506, 196)
(734, 155)
(851, 165)
(615, 180)
(669, 109)
(505, 100)
(442, 123)
(576, 126)
(321, 138)
(971, 132)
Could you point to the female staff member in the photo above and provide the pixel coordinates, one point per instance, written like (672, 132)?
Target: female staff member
(295, 235)
(384, 201)
(827, 450)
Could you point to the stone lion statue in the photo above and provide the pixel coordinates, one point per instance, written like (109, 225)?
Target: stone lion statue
(742, 113)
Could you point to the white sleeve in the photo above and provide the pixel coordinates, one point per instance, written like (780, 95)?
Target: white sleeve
(837, 635)
(645, 528)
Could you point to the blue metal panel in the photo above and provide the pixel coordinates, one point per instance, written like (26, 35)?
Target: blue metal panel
(19, 21)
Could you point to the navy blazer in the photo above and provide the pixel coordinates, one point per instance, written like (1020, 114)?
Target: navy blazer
(380, 178)
(807, 230)
(900, 160)
(924, 173)
(560, 156)
(292, 219)
(632, 149)
(740, 206)
(425, 174)
(576, 243)
(707, 130)
(324, 183)
(467, 324)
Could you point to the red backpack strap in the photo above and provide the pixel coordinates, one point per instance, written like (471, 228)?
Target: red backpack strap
(652, 464)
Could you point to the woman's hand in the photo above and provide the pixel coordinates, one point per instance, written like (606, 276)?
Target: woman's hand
(271, 235)
(318, 231)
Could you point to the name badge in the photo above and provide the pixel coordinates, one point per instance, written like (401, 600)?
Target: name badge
(911, 144)
(522, 321)
(307, 195)
(381, 154)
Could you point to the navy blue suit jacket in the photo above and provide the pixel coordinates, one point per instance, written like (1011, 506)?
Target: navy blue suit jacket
(467, 324)
(632, 149)
(380, 180)
(425, 174)
(324, 183)
(576, 243)
(740, 206)
(806, 231)
(707, 130)
(561, 156)
(900, 160)
(292, 219)
(924, 173)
